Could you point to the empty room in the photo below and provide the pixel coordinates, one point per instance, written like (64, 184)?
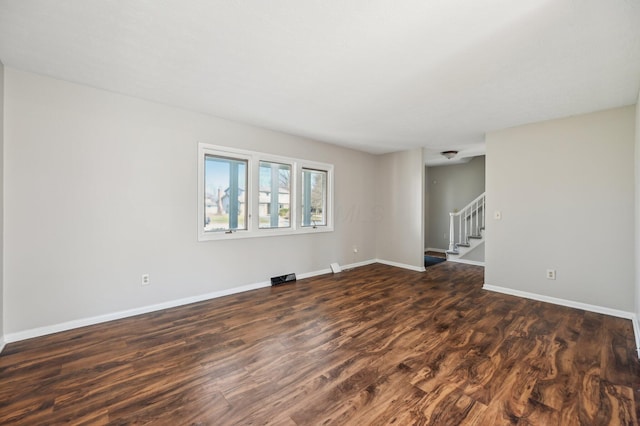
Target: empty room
(319, 212)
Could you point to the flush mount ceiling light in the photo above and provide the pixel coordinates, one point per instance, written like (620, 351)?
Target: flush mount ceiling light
(449, 154)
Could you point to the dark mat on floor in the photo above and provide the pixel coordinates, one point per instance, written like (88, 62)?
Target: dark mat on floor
(431, 260)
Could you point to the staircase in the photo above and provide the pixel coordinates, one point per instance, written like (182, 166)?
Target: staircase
(466, 231)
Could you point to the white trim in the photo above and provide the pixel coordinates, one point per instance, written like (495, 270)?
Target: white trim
(344, 268)
(437, 250)
(301, 165)
(314, 273)
(636, 333)
(69, 325)
(465, 261)
(358, 264)
(562, 302)
(232, 154)
(401, 265)
(2, 344)
(253, 229)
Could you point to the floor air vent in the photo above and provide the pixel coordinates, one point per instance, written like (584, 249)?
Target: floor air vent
(283, 279)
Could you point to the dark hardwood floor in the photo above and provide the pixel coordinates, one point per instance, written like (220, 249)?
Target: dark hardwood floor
(371, 346)
(435, 254)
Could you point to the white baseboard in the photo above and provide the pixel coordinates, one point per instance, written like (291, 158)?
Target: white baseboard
(437, 250)
(401, 265)
(563, 302)
(636, 332)
(69, 325)
(358, 264)
(41, 331)
(313, 274)
(572, 304)
(465, 261)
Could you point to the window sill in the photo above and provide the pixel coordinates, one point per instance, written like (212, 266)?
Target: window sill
(221, 235)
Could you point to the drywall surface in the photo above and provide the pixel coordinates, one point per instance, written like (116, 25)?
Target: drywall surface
(101, 188)
(637, 212)
(565, 189)
(426, 207)
(450, 188)
(477, 254)
(399, 195)
(1, 205)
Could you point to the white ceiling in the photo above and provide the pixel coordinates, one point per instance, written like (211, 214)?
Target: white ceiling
(375, 75)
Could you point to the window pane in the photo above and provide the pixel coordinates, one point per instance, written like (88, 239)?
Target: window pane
(314, 197)
(275, 191)
(225, 181)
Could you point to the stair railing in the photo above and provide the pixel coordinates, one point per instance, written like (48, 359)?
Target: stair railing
(470, 220)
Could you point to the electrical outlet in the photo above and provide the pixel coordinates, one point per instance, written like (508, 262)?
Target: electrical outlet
(145, 280)
(551, 274)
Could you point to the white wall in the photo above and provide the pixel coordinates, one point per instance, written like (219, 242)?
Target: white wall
(450, 188)
(565, 189)
(399, 192)
(101, 188)
(426, 206)
(1, 206)
(476, 255)
(637, 219)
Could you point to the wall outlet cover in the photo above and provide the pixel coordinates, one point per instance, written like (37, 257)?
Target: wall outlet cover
(335, 268)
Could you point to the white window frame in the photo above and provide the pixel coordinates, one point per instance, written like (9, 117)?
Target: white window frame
(253, 193)
(291, 193)
(203, 151)
(322, 167)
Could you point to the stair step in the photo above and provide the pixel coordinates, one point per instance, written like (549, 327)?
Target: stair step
(453, 252)
(477, 237)
(463, 245)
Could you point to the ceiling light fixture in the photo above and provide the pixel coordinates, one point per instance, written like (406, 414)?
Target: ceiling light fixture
(449, 154)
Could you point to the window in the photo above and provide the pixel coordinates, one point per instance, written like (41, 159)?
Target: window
(314, 197)
(275, 195)
(245, 194)
(225, 193)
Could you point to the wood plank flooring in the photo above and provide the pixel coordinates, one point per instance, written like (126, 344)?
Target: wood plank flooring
(372, 346)
(435, 254)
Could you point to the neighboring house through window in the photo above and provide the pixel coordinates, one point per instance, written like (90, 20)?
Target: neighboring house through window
(250, 194)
